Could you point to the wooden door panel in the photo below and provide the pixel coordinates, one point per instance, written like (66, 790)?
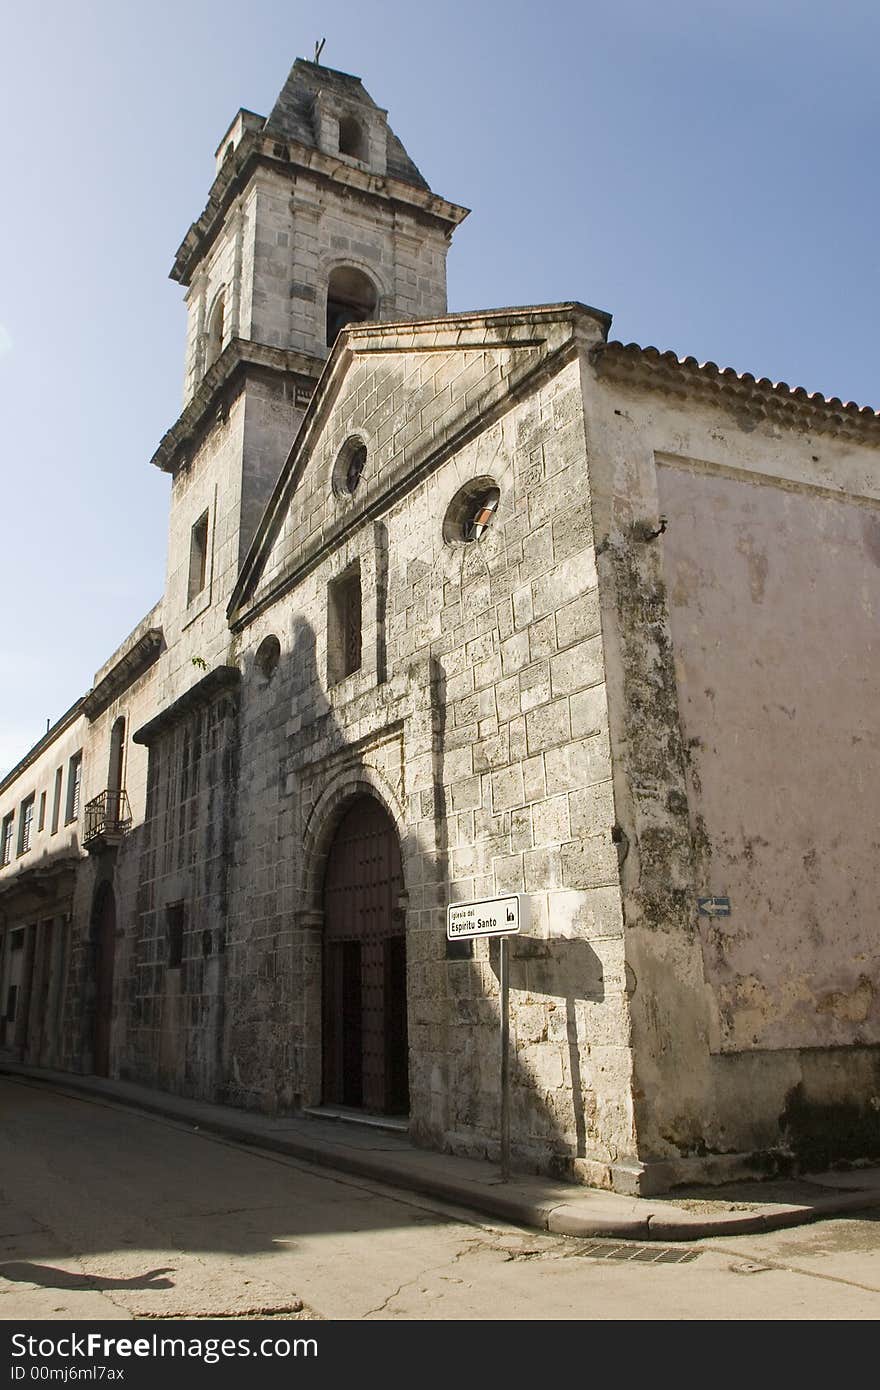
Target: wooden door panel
(364, 1014)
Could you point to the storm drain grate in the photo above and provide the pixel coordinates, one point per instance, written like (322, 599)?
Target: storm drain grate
(644, 1254)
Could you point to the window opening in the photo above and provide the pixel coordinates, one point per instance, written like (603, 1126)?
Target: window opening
(42, 820)
(216, 328)
(56, 798)
(8, 822)
(198, 558)
(351, 298)
(349, 467)
(355, 468)
(480, 514)
(26, 824)
(351, 138)
(471, 511)
(117, 755)
(268, 656)
(344, 622)
(74, 780)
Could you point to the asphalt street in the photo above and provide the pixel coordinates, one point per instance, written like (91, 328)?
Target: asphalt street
(106, 1212)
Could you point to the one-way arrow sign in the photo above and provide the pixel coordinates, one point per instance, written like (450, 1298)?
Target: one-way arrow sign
(713, 907)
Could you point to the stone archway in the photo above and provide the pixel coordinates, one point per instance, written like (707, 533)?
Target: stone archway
(104, 941)
(365, 1054)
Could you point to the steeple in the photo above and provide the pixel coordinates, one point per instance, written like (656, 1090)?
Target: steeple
(333, 112)
(317, 216)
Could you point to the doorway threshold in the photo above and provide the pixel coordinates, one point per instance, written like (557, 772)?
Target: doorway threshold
(394, 1124)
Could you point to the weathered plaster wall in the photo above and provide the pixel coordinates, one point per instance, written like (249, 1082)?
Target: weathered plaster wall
(51, 887)
(724, 563)
(36, 900)
(774, 594)
(116, 865)
(34, 779)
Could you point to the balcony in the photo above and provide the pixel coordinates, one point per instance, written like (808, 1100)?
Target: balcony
(106, 819)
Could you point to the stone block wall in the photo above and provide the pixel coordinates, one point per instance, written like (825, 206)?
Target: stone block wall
(176, 972)
(478, 717)
(303, 227)
(278, 245)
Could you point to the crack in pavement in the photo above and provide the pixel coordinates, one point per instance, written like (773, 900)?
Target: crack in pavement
(472, 1247)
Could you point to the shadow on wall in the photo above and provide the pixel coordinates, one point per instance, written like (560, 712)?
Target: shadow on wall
(290, 729)
(551, 977)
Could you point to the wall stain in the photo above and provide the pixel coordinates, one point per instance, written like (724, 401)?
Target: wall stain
(871, 535)
(853, 1006)
(758, 566)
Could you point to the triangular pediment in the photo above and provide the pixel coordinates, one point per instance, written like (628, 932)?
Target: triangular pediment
(412, 393)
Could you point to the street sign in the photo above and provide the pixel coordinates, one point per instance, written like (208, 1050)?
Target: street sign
(490, 917)
(713, 907)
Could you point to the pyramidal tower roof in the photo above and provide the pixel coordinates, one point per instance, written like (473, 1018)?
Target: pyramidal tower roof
(293, 115)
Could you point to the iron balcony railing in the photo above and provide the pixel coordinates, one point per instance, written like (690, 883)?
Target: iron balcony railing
(106, 816)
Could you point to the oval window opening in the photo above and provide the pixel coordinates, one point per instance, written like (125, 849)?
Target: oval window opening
(349, 467)
(471, 511)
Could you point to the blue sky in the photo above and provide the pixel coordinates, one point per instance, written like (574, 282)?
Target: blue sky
(706, 172)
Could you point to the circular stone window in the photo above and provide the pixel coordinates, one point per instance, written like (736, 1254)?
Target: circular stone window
(349, 466)
(267, 657)
(471, 511)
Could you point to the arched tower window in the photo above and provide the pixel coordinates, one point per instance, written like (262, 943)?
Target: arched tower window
(351, 138)
(215, 333)
(351, 298)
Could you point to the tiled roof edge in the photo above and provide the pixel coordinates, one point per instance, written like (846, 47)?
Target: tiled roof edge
(756, 397)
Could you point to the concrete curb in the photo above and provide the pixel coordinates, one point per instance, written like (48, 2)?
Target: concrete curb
(589, 1212)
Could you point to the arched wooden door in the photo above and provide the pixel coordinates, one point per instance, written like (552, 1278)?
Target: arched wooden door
(365, 1052)
(104, 929)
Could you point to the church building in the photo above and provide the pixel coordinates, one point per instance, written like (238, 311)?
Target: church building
(457, 607)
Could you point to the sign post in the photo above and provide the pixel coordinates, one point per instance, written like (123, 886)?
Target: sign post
(493, 917)
(504, 981)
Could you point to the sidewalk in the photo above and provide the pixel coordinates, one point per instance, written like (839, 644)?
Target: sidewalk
(386, 1155)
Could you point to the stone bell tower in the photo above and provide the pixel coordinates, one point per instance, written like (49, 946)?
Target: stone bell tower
(317, 217)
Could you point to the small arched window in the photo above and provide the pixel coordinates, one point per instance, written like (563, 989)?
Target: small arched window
(116, 809)
(351, 138)
(216, 327)
(267, 657)
(117, 756)
(351, 298)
